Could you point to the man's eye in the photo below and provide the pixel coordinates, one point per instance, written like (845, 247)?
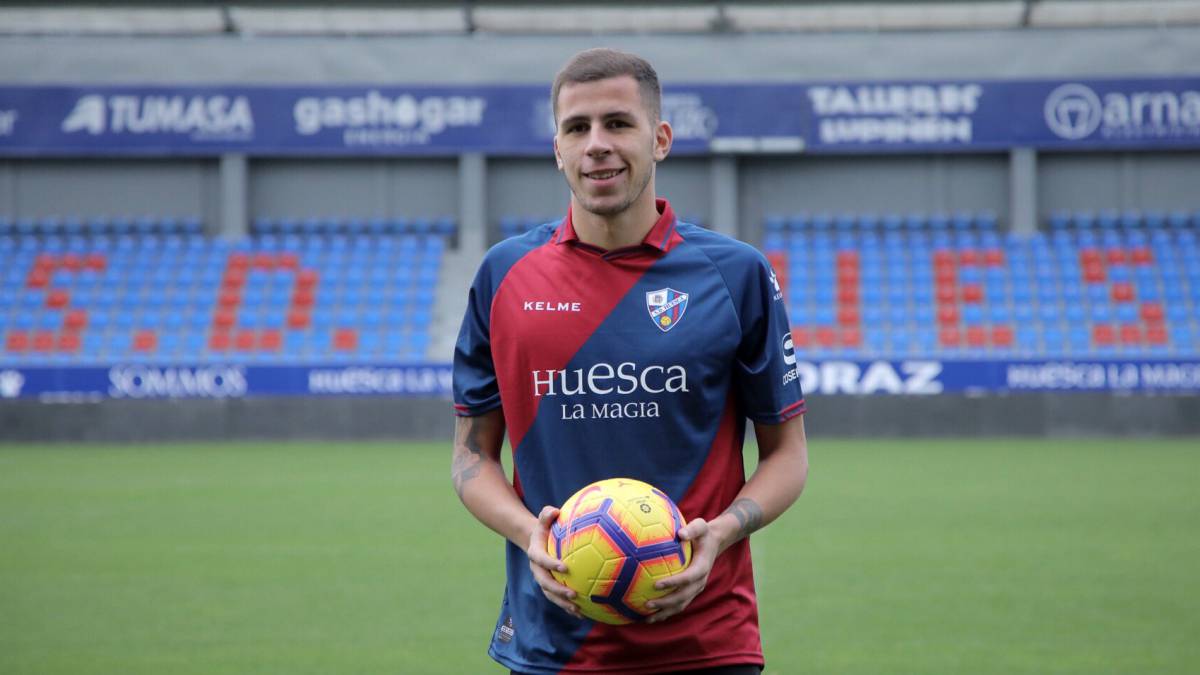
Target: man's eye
(575, 128)
(617, 123)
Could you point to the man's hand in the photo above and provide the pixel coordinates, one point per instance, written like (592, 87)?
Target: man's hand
(541, 562)
(687, 584)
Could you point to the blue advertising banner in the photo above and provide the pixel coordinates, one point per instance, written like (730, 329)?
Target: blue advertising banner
(910, 377)
(827, 117)
(142, 381)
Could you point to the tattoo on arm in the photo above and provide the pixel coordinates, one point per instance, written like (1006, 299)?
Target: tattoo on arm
(468, 454)
(748, 514)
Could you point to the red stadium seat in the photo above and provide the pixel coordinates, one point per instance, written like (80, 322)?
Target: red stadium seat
(847, 295)
(826, 337)
(847, 276)
(1156, 335)
(947, 315)
(17, 341)
(847, 316)
(57, 298)
(245, 340)
(851, 337)
(950, 336)
(72, 262)
(972, 293)
(224, 318)
(234, 278)
(96, 262)
(946, 294)
(1141, 256)
(345, 340)
(1131, 334)
(238, 261)
(38, 278)
(1115, 256)
(968, 257)
(219, 341)
(271, 340)
(43, 341)
(45, 261)
(289, 260)
(303, 298)
(68, 342)
(1002, 336)
(298, 319)
(943, 257)
(993, 257)
(264, 261)
(1152, 312)
(75, 319)
(801, 338)
(1122, 291)
(945, 274)
(1093, 272)
(306, 279)
(1103, 335)
(1090, 256)
(145, 341)
(229, 299)
(976, 336)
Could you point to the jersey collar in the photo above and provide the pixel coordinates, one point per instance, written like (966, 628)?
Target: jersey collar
(658, 238)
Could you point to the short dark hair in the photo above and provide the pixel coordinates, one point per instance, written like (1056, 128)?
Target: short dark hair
(602, 63)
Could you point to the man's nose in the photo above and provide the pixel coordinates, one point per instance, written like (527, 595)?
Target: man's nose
(598, 142)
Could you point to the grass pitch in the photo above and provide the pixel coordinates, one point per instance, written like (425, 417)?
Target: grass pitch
(901, 557)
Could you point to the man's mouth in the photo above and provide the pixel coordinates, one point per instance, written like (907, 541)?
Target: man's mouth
(604, 174)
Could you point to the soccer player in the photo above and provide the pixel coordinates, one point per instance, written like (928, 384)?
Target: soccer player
(621, 342)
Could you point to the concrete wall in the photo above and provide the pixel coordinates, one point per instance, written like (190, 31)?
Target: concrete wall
(1034, 415)
(783, 185)
(300, 188)
(1149, 180)
(125, 187)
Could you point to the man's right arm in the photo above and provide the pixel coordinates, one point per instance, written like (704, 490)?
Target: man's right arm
(481, 485)
(479, 477)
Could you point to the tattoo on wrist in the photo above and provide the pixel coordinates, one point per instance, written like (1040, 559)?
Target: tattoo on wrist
(749, 515)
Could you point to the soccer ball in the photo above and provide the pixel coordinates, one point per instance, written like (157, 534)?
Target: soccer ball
(618, 537)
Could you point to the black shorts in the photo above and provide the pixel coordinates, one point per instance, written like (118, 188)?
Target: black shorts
(719, 670)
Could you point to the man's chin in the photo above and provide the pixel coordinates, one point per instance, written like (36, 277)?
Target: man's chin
(604, 207)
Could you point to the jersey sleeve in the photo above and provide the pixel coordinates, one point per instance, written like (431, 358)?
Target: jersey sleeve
(766, 378)
(475, 388)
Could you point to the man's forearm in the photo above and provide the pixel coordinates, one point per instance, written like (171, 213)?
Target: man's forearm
(494, 503)
(776, 484)
(480, 482)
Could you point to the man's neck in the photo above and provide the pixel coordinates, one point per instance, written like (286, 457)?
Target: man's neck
(627, 228)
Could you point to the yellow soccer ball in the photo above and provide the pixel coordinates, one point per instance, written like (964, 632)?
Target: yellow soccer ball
(618, 537)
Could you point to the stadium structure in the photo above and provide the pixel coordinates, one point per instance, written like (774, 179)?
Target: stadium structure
(262, 218)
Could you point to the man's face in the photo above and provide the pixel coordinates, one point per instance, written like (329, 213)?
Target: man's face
(606, 143)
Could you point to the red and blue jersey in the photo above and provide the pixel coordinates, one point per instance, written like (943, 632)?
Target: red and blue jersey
(642, 362)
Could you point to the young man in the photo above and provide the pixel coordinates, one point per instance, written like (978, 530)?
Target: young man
(685, 330)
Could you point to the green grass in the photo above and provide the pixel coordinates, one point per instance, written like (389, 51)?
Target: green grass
(901, 557)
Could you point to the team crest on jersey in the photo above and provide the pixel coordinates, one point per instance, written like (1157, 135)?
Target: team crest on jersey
(666, 307)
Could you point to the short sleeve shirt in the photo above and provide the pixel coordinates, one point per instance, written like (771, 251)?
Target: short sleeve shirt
(640, 362)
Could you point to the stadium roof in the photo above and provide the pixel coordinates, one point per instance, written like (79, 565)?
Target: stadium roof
(532, 18)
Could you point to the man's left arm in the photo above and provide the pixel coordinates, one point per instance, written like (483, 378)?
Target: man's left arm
(776, 484)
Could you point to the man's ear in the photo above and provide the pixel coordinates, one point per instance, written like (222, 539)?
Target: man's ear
(663, 136)
(557, 157)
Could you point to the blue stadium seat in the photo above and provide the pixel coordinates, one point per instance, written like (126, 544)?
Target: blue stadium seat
(1131, 219)
(1178, 220)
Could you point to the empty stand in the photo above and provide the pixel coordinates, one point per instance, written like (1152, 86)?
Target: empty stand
(953, 285)
(159, 290)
